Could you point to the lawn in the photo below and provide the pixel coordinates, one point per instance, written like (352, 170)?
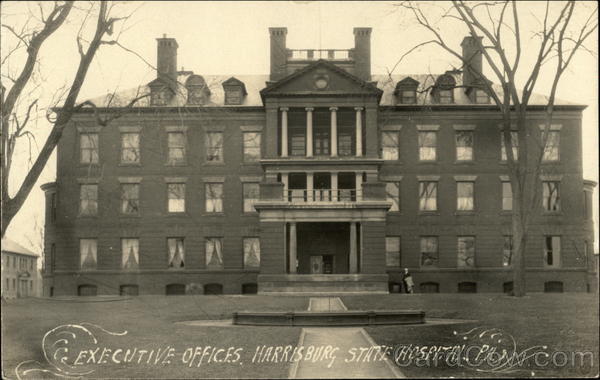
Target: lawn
(150, 325)
(562, 322)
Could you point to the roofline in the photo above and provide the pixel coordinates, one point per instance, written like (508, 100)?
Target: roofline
(33, 254)
(478, 107)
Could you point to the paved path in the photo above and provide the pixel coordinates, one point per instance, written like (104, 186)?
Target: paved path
(345, 362)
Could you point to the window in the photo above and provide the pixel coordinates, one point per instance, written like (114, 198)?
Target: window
(176, 197)
(88, 199)
(251, 252)
(89, 148)
(233, 96)
(130, 253)
(464, 145)
(176, 253)
(465, 200)
(551, 196)
(429, 251)
(176, 145)
(507, 198)
(481, 97)
(214, 253)
(428, 196)
(159, 97)
(88, 253)
(251, 191)
(466, 251)
(130, 148)
(507, 251)
(52, 257)
(392, 251)
(552, 251)
(551, 149)
(321, 141)
(389, 146)
(53, 206)
(427, 145)
(514, 140)
(251, 146)
(409, 97)
(446, 97)
(214, 197)
(130, 198)
(392, 190)
(214, 147)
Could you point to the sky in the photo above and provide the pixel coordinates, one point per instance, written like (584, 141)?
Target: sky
(232, 38)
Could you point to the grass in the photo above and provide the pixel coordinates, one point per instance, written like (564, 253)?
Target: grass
(149, 321)
(562, 322)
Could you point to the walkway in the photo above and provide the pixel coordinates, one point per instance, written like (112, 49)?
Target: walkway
(345, 362)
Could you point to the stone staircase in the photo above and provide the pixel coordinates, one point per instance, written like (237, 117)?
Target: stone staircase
(322, 284)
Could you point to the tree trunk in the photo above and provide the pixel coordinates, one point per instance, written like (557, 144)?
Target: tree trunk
(519, 234)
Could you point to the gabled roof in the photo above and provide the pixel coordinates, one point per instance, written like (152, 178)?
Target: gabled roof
(408, 81)
(233, 81)
(321, 63)
(16, 248)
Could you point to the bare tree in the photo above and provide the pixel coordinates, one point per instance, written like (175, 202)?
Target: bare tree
(495, 27)
(18, 102)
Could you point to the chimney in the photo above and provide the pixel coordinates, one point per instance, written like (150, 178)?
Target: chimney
(278, 53)
(166, 58)
(472, 60)
(362, 53)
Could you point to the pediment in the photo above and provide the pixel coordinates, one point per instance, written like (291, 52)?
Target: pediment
(321, 78)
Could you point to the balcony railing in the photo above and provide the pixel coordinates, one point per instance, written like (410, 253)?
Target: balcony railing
(322, 195)
(315, 54)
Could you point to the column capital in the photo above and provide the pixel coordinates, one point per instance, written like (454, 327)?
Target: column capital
(284, 109)
(333, 109)
(309, 109)
(359, 108)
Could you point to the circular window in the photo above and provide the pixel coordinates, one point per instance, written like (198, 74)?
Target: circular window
(321, 83)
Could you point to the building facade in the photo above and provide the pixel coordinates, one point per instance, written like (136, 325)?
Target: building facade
(319, 177)
(20, 274)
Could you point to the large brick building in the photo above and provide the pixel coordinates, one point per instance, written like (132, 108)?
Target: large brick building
(317, 177)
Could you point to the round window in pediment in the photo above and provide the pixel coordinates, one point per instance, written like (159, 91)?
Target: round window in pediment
(321, 82)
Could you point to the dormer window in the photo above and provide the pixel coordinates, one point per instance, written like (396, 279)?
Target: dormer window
(406, 91)
(481, 97)
(235, 90)
(443, 91)
(197, 90)
(160, 96)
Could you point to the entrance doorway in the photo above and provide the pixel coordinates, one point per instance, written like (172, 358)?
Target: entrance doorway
(323, 248)
(321, 264)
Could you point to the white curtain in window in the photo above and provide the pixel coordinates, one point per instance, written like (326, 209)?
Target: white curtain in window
(552, 145)
(88, 253)
(89, 148)
(392, 190)
(464, 199)
(251, 146)
(427, 196)
(389, 143)
(214, 197)
(130, 253)
(214, 253)
(176, 142)
(251, 252)
(427, 146)
(251, 191)
(466, 251)
(129, 198)
(429, 251)
(176, 253)
(464, 145)
(130, 147)
(214, 146)
(507, 199)
(514, 140)
(89, 199)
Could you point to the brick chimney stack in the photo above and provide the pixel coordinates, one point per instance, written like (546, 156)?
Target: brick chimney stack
(362, 53)
(278, 53)
(472, 60)
(166, 58)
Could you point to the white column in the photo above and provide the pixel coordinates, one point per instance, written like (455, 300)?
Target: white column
(284, 180)
(293, 244)
(358, 186)
(284, 132)
(353, 249)
(309, 131)
(333, 134)
(359, 131)
(334, 186)
(310, 184)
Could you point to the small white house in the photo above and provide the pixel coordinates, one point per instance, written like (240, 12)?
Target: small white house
(20, 274)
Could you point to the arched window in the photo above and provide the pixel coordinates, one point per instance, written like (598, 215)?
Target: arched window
(443, 91)
(175, 289)
(553, 287)
(467, 287)
(87, 290)
(250, 288)
(213, 289)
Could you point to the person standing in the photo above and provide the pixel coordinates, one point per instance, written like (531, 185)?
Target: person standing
(408, 282)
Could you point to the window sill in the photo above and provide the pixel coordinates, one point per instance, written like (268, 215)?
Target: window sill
(552, 213)
(396, 162)
(429, 213)
(250, 213)
(177, 214)
(213, 214)
(427, 162)
(506, 212)
(172, 164)
(130, 164)
(213, 163)
(465, 212)
(394, 213)
(87, 216)
(464, 162)
(87, 165)
(134, 216)
(251, 163)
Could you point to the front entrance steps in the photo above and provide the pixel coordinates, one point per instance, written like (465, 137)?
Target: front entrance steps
(322, 284)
